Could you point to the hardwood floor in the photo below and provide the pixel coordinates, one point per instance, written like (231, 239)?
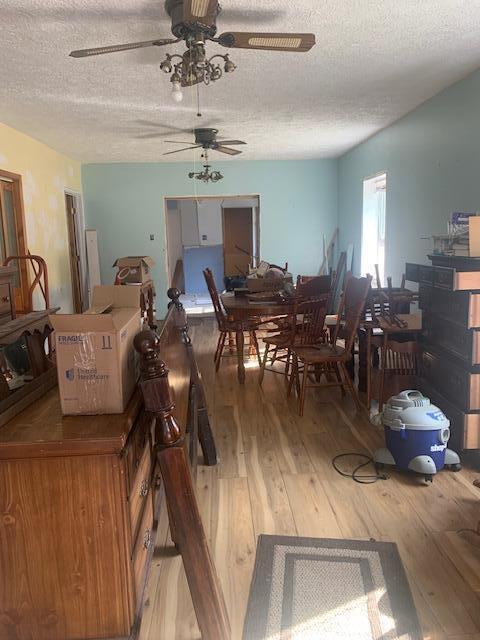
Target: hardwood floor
(275, 476)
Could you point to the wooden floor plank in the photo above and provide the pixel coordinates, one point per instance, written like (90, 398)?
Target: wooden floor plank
(229, 441)
(312, 512)
(234, 548)
(269, 502)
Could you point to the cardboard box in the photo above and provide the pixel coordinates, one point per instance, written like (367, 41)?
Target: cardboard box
(474, 236)
(96, 360)
(134, 269)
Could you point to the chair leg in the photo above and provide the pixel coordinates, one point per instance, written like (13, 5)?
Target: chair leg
(274, 357)
(257, 348)
(350, 385)
(231, 342)
(217, 350)
(220, 351)
(303, 390)
(293, 375)
(339, 378)
(287, 365)
(263, 365)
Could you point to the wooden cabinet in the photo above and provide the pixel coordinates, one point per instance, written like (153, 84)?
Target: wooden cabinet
(76, 522)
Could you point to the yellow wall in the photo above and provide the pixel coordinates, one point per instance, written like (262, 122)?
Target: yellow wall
(45, 176)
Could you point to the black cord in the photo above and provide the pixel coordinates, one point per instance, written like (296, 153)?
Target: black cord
(361, 479)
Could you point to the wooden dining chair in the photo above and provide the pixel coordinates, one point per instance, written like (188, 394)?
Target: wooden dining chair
(228, 328)
(330, 359)
(306, 326)
(399, 368)
(310, 286)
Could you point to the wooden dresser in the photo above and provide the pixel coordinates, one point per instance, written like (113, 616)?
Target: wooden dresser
(79, 500)
(77, 509)
(449, 296)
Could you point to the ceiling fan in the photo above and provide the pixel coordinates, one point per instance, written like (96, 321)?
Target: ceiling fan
(207, 140)
(195, 22)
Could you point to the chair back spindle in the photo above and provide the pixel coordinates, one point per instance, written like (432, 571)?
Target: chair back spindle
(220, 314)
(351, 309)
(309, 325)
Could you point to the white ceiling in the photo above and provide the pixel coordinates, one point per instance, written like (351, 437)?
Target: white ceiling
(374, 61)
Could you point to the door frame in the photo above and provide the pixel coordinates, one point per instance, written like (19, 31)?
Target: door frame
(255, 217)
(80, 236)
(21, 293)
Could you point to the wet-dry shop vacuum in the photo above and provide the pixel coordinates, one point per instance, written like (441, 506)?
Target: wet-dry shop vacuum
(416, 436)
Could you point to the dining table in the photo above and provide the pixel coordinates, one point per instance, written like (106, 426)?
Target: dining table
(243, 308)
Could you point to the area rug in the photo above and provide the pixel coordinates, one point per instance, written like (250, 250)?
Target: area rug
(326, 589)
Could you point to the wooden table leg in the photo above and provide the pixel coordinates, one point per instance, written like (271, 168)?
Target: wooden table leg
(368, 359)
(382, 370)
(241, 364)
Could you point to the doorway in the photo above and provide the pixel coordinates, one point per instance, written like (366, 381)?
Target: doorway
(237, 240)
(76, 249)
(219, 232)
(12, 235)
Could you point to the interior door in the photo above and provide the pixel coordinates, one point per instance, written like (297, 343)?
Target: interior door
(237, 240)
(74, 251)
(12, 238)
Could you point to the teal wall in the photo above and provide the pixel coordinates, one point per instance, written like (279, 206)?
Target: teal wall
(432, 160)
(298, 204)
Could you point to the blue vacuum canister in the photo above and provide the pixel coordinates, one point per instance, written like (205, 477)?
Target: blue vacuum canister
(416, 436)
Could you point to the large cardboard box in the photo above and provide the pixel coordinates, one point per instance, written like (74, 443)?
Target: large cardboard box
(96, 360)
(134, 269)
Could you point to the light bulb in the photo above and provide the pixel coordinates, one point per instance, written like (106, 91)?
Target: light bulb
(229, 65)
(177, 94)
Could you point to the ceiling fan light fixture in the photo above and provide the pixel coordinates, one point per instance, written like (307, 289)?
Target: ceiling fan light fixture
(166, 66)
(230, 66)
(177, 94)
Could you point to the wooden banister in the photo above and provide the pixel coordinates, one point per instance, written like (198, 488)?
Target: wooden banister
(185, 522)
(178, 280)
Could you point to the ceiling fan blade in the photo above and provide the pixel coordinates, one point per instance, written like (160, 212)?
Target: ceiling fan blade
(177, 142)
(203, 11)
(178, 150)
(83, 53)
(267, 41)
(227, 150)
(230, 143)
(148, 136)
(251, 16)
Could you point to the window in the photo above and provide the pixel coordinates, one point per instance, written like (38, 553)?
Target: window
(373, 225)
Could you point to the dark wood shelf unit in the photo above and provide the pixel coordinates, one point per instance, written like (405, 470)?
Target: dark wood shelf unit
(449, 297)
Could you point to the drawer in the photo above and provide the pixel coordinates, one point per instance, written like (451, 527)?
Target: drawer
(457, 384)
(461, 343)
(142, 548)
(461, 307)
(5, 300)
(140, 488)
(134, 450)
(419, 273)
(443, 277)
(464, 427)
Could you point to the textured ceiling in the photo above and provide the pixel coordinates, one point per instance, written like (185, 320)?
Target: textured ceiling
(373, 62)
